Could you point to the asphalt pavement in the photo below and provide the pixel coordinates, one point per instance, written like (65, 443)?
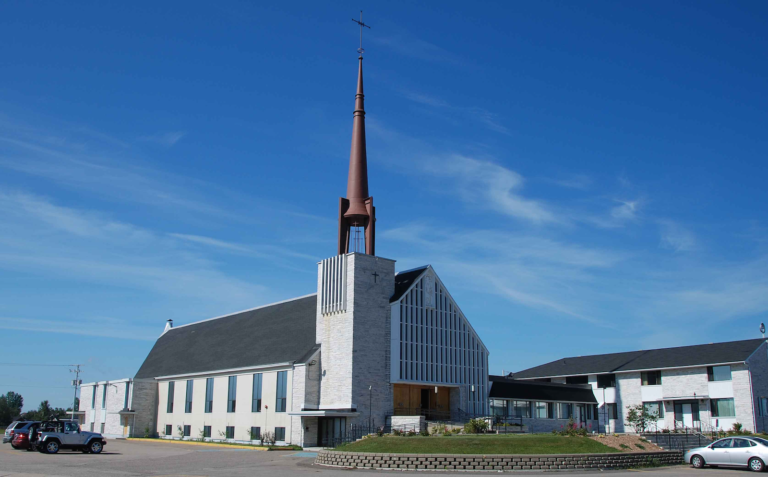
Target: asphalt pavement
(157, 459)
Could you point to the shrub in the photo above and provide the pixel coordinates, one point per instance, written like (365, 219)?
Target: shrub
(624, 446)
(640, 446)
(476, 426)
(268, 438)
(424, 432)
(411, 433)
(146, 431)
(397, 432)
(640, 418)
(380, 431)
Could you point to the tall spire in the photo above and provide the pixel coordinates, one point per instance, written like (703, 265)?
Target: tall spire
(357, 182)
(357, 209)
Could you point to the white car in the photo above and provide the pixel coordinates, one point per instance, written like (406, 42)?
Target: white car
(738, 451)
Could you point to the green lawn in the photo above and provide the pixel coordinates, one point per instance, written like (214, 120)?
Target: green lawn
(491, 444)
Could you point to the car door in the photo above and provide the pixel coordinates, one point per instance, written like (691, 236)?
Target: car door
(71, 434)
(719, 452)
(741, 451)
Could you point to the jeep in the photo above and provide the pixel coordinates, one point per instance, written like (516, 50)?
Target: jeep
(56, 435)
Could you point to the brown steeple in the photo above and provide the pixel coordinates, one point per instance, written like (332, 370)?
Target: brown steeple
(357, 209)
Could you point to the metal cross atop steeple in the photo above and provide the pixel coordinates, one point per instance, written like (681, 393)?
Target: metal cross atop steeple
(360, 22)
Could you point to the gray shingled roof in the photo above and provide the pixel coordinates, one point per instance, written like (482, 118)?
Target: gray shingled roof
(697, 355)
(404, 280)
(503, 387)
(272, 334)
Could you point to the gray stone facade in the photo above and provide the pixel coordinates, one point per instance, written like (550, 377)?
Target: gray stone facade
(112, 417)
(758, 367)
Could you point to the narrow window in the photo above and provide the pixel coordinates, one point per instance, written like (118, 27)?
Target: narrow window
(577, 380)
(280, 434)
(255, 433)
(612, 411)
(230, 432)
(231, 394)
(282, 378)
(206, 431)
(256, 403)
(187, 430)
(169, 404)
(188, 400)
(209, 395)
(104, 396)
(93, 397)
(719, 373)
(102, 428)
(168, 430)
(127, 392)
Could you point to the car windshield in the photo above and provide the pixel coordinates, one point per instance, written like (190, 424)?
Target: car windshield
(760, 440)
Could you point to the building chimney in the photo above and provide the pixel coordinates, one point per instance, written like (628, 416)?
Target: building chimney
(168, 325)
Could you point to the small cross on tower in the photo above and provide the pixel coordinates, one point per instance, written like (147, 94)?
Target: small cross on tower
(375, 276)
(360, 22)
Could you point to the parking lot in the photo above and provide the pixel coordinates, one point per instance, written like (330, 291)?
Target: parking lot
(158, 459)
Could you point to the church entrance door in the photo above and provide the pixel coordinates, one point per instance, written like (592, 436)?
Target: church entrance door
(332, 431)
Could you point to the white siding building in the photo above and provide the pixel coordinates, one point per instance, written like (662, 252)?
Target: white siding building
(702, 387)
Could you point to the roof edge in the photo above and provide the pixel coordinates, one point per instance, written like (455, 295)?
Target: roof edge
(242, 311)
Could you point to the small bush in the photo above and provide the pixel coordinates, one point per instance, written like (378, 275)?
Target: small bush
(424, 433)
(146, 431)
(640, 446)
(397, 432)
(411, 433)
(476, 426)
(380, 431)
(624, 446)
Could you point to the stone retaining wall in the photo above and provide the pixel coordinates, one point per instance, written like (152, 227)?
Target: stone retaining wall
(495, 462)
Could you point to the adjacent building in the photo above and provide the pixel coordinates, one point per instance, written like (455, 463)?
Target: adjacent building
(702, 387)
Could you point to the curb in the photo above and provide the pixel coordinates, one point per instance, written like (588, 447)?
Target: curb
(204, 444)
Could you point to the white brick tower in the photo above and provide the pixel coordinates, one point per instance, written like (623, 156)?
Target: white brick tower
(353, 329)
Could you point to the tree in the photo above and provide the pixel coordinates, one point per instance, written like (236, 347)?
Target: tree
(14, 400)
(639, 417)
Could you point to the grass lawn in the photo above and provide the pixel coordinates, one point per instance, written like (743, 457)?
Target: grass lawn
(492, 444)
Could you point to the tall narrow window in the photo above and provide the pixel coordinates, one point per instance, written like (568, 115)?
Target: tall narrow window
(169, 430)
(93, 396)
(169, 405)
(104, 396)
(230, 432)
(188, 400)
(187, 430)
(127, 393)
(231, 394)
(279, 434)
(282, 378)
(206, 431)
(256, 403)
(209, 395)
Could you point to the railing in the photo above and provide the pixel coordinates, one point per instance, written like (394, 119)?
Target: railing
(352, 433)
(429, 414)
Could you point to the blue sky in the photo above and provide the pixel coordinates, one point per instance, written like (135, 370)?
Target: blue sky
(585, 177)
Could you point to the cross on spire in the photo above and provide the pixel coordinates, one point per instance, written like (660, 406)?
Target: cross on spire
(360, 22)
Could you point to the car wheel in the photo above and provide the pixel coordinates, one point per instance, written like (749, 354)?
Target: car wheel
(95, 447)
(756, 464)
(697, 462)
(51, 447)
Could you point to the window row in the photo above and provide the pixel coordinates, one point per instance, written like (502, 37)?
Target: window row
(281, 395)
(253, 434)
(104, 395)
(543, 410)
(647, 378)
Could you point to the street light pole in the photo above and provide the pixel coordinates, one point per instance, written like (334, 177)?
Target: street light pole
(76, 382)
(370, 407)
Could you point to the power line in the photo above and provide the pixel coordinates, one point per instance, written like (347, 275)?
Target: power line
(26, 364)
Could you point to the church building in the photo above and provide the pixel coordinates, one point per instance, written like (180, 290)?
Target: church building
(371, 347)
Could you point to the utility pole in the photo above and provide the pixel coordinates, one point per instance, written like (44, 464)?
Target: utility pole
(76, 382)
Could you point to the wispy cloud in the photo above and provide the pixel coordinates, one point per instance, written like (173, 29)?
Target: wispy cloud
(676, 237)
(626, 210)
(413, 47)
(167, 139)
(483, 116)
(576, 181)
(101, 327)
